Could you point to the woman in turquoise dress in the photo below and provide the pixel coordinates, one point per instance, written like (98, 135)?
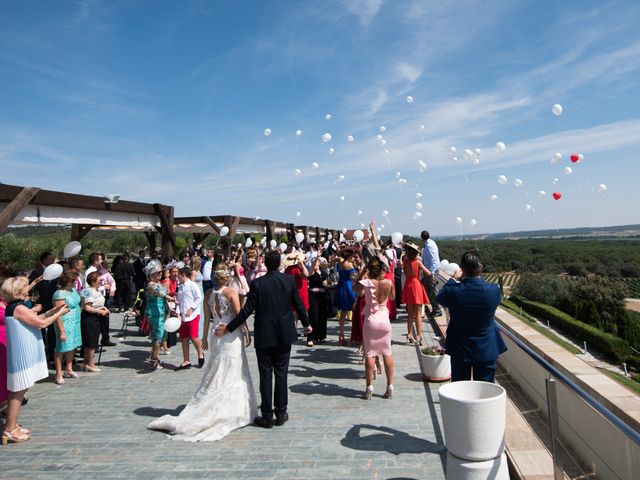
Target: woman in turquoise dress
(157, 297)
(68, 333)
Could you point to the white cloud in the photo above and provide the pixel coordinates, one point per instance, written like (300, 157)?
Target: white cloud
(409, 72)
(365, 10)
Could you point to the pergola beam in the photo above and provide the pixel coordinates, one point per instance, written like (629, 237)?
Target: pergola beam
(22, 198)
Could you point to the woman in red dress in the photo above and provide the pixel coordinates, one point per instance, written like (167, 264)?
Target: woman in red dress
(294, 263)
(413, 293)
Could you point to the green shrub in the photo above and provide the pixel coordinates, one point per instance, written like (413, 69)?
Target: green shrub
(614, 347)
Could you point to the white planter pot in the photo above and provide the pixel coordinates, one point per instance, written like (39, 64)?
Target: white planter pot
(473, 416)
(495, 469)
(435, 368)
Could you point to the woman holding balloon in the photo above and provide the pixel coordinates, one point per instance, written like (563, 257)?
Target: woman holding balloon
(157, 296)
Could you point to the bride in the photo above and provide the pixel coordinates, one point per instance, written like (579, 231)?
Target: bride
(225, 399)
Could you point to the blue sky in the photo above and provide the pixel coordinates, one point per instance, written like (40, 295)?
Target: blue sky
(167, 102)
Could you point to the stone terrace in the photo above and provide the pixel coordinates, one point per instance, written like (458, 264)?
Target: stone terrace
(95, 426)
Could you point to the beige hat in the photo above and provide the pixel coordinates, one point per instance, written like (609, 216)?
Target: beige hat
(293, 258)
(412, 246)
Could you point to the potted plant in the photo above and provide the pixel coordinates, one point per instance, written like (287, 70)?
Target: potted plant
(435, 364)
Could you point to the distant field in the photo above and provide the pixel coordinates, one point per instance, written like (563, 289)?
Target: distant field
(510, 278)
(633, 284)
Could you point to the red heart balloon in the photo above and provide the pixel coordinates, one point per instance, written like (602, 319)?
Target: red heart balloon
(557, 195)
(575, 158)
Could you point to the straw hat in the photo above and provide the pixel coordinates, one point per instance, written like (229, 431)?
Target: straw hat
(412, 246)
(293, 258)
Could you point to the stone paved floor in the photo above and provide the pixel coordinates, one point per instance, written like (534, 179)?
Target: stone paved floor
(95, 426)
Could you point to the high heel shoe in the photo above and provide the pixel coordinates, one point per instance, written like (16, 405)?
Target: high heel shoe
(90, 369)
(10, 437)
(368, 393)
(389, 392)
(70, 375)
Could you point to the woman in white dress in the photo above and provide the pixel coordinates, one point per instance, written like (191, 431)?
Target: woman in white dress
(225, 399)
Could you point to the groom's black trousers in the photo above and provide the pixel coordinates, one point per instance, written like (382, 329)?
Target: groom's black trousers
(273, 361)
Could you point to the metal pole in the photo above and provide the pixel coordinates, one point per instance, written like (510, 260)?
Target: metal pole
(552, 406)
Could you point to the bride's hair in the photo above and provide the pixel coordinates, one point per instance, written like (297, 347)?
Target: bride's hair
(223, 275)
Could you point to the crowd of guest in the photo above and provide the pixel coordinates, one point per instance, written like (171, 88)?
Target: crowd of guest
(66, 321)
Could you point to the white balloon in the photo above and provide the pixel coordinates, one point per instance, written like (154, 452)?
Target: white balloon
(477, 151)
(379, 229)
(263, 241)
(382, 129)
(398, 174)
(298, 133)
(315, 165)
(580, 158)
(422, 166)
(344, 230)
(386, 151)
(518, 183)
(528, 207)
(329, 237)
(342, 198)
(421, 128)
(358, 235)
(409, 99)
(383, 142)
(359, 212)
(239, 245)
(454, 159)
(267, 132)
(362, 225)
(326, 137)
(452, 151)
(327, 116)
(332, 151)
(340, 178)
(378, 137)
(542, 193)
(602, 188)
(475, 161)
(297, 172)
(502, 180)
(473, 222)
(224, 231)
(500, 147)
(493, 197)
(52, 272)
(273, 244)
(402, 181)
(467, 154)
(459, 220)
(248, 242)
(418, 206)
(396, 238)
(568, 170)
(556, 180)
(556, 158)
(172, 324)
(557, 109)
(350, 138)
(417, 215)
(71, 249)
(298, 214)
(382, 226)
(451, 268)
(443, 263)
(385, 213)
(299, 237)
(283, 247)
(418, 195)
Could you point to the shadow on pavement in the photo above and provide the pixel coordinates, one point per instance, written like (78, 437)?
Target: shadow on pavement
(384, 439)
(321, 388)
(158, 412)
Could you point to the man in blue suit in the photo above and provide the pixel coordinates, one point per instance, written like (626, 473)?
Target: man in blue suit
(473, 340)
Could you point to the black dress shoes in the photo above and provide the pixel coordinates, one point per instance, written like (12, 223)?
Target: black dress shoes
(263, 422)
(200, 362)
(282, 419)
(108, 343)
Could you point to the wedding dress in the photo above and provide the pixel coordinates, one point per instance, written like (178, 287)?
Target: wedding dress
(225, 399)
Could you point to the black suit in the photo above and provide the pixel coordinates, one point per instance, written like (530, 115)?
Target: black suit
(271, 297)
(139, 277)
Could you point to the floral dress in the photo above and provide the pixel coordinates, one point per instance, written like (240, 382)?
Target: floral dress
(156, 310)
(70, 321)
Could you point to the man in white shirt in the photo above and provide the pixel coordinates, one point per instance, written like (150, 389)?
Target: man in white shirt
(190, 304)
(431, 260)
(207, 267)
(95, 263)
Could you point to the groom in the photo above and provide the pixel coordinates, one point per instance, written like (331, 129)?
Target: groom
(272, 297)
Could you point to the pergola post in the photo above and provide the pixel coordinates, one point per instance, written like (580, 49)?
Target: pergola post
(232, 223)
(165, 214)
(270, 229)
(305, 230)
(78, 232)
(12, 210)
(317, 234)
(291, 232)
(152, 239)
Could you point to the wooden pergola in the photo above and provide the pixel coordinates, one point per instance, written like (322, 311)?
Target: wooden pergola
(202, 226)
(35, 206)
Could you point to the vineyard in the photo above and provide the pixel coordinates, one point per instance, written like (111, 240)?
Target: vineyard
(509, 278)
(633, 287)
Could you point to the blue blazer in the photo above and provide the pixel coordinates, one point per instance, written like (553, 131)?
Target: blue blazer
(472, 333)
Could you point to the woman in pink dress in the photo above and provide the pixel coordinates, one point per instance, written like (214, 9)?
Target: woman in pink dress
(377, 327)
